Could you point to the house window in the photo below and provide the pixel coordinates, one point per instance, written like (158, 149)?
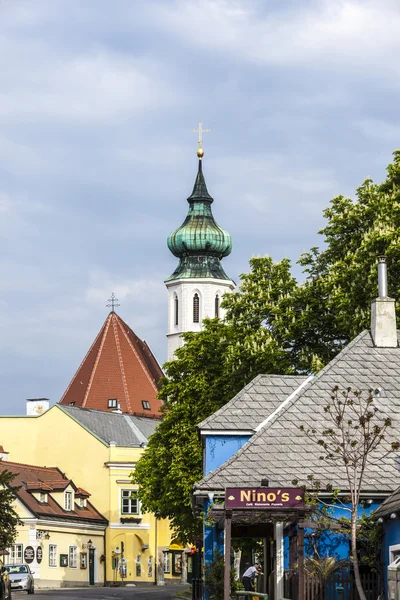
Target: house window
(176, 307)
(146, 405)
(167, 562)
(72, 403)
(217, 306)
(42, 497)
(52, 555)
(68, 500)
(112, 403)
(129, 502)
(16, 554)
(82, 502)
(73, 557)
(196, 309)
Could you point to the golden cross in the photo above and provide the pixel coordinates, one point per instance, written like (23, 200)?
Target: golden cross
(200, 131)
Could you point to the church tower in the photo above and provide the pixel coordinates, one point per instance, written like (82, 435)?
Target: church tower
(196, 287)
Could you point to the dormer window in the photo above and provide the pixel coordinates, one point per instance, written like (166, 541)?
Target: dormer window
(112, 403)
(146, 405)
(82, 502)
(43, 498)
(196, 309)
(68, 501)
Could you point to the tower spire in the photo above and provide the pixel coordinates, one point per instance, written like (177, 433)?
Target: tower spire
(200, 131)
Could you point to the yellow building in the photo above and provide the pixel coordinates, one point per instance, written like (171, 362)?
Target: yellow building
(62, 535)
(99, 450)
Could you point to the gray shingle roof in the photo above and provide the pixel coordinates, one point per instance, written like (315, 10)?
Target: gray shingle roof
(253, 403)
(390, 505)
(280, 452)
(124, 430)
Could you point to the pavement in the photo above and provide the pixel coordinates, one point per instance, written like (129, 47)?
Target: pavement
(132, 593)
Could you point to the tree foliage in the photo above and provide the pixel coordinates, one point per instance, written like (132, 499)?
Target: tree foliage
(276, 325)
(8, 517)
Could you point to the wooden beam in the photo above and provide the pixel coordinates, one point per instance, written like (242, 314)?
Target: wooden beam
(227, 556)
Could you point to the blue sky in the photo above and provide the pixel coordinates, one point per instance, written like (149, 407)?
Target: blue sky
(97, 158)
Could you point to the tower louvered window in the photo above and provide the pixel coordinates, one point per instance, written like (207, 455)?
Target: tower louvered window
(196, 309)
(176, 310)
(217, 306)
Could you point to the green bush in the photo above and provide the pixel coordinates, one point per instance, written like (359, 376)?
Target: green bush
(215, 578)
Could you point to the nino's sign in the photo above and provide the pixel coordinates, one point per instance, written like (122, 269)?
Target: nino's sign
(267, 498)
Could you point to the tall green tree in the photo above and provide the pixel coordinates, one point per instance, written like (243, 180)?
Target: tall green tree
(8, 517)
(273, 325)
(209, 370)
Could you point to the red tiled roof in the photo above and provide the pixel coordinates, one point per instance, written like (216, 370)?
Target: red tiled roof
(120, 366)
(81, 493)
(30, 478)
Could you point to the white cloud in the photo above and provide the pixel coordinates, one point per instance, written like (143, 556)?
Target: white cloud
(355, 34)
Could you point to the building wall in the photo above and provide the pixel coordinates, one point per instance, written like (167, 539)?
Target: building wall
(55, 439)
(184, 290)
(219, 448)
(63, 536)
(391, 538)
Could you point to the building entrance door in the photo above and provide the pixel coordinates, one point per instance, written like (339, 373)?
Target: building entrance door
(91, 566)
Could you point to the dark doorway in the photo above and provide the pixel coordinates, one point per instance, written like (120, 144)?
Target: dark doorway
(91, 566)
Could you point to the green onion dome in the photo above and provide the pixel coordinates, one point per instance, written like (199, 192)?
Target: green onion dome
(200, 243)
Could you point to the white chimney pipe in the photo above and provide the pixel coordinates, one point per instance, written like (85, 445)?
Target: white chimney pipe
(382, 277)
(383, 312)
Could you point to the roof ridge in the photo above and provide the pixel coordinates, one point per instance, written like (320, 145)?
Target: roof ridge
(105, 329)
(11, 462)
(139, 358)
(115, 324)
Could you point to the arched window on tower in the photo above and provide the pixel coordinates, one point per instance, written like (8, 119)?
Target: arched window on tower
(217, 306)
(196, 309)
(176, 309)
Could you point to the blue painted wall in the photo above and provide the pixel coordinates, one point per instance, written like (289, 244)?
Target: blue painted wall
(219, 448)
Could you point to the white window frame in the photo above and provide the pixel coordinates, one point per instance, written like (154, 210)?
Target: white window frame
(53, 555)
(146, 405)
(112, 403)
(167, 563)
(11, 557)
(82, 502)
(42, 497)
(128, 514)
(73, 564)
(70, 495)
(392, 551)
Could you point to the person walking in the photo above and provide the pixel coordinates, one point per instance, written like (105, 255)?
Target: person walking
(249, 576)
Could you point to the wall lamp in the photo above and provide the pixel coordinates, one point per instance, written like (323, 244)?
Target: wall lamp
(393, 516)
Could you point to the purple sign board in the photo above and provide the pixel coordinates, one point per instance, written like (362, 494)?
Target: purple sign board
(264, 498)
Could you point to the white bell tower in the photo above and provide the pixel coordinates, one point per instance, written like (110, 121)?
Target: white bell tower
(196, 287)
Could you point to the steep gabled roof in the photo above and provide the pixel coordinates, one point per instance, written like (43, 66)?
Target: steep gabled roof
(280, 452)
(259, 399)
(30, 479)
(123, 430)
(120, 366)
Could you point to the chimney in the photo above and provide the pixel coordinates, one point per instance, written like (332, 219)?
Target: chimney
(383, 312)
(3, 454)
(37, 406)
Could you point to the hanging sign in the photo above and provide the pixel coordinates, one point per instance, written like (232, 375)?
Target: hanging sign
(39, 554)
(267, 498)
(29, 554)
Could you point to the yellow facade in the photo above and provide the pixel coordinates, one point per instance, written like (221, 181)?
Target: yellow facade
(56, 439)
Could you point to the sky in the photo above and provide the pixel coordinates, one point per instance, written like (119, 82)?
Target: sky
(97, 158)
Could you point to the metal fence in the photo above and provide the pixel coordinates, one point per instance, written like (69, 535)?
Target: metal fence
(197, 589)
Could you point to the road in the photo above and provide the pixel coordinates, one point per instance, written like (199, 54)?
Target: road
(132, 593)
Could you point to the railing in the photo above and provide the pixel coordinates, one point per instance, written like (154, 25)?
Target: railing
(340, 586)
(197, 589)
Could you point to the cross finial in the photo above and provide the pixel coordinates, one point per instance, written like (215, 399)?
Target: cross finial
(200, 131)
(113, 302)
